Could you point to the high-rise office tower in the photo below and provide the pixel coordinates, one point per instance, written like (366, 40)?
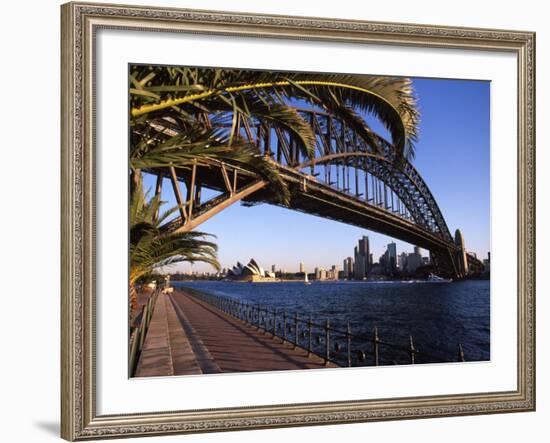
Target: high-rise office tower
(362, 257)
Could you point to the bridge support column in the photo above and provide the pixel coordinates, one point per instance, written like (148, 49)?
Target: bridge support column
(461, 259)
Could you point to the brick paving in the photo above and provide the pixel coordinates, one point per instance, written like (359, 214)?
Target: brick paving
(188, 336)
(238, 347)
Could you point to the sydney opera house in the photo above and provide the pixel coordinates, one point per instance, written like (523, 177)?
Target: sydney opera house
(252, 272)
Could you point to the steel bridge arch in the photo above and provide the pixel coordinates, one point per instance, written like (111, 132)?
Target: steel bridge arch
(404, 181)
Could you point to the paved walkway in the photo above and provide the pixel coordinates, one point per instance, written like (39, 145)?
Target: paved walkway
(166, 349)
(198, 338)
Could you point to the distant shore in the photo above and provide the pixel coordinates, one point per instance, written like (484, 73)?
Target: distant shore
(290, 280)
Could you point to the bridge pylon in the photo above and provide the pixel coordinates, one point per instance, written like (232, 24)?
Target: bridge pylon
(461, 255)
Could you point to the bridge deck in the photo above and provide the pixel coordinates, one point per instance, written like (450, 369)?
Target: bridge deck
(188, 336)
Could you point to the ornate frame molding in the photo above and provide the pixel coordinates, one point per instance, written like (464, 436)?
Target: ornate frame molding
(79, 22)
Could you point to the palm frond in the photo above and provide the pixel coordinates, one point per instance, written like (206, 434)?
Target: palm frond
(151, 247)
(357, 125)
(390, 99)
(205, 147)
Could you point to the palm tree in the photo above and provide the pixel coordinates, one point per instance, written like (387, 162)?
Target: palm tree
(180, 94)
(152, 246)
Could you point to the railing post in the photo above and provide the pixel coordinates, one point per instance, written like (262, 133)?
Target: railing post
(284, 326)
(295, 330)
(327, 341)
(143, 327)
(150, 307)
(461, 353)
(133, 351)
(309, 326)
(411, 349)
(376, 344)
(274, 322)
(261, 317)
(348, 338)
(147, 312)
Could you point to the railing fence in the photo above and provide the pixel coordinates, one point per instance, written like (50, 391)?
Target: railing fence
(334, 345)
(138, 334)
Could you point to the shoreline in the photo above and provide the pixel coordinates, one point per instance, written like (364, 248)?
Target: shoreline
(412, 281)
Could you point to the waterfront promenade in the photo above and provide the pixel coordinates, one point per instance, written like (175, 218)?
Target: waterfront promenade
(189, 336)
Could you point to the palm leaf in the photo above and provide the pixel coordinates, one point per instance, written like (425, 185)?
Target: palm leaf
(151, 247)
(390, 99)
(205, 148)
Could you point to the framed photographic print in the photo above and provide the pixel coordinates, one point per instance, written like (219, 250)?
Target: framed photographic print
(282, 221)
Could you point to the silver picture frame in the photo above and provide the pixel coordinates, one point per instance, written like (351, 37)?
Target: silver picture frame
(80, 22)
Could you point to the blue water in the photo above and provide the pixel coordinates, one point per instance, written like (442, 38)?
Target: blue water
(438, 316)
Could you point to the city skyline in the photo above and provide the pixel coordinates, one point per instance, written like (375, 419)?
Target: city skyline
(351, 267)
(453, 162)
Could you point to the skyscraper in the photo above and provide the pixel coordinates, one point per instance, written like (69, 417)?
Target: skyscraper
(414, 260)
(364, 250)
(392, 257)
(402, 261)
(362, 259)
(359, 273)
(345, 268)
(348, 267)
(320, 274)
(355, 258)
(302, 267)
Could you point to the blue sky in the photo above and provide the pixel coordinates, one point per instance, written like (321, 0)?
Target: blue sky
(452, 155)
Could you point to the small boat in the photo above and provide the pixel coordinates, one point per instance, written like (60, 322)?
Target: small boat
(306, 280)
(432, 278)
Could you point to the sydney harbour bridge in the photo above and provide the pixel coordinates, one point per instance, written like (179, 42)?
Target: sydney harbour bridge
(345, 180)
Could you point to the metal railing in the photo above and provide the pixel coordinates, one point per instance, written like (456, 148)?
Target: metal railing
(138, 334)
(335, 345)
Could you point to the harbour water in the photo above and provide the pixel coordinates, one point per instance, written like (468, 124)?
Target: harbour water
(439, 316)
